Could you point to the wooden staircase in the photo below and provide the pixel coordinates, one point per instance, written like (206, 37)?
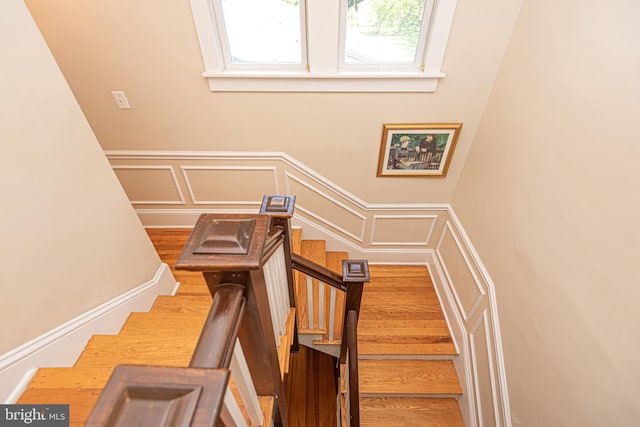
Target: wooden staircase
(164, 336)
(406, 372)
(406, 353)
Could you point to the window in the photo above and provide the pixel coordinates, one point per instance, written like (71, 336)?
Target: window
(323, 45)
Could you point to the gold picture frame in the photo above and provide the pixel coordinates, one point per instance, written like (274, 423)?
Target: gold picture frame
(417, 150)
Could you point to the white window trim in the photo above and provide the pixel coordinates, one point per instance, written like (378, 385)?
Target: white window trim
(323, 73)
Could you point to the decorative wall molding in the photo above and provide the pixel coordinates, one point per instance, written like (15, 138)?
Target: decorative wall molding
(174, 179)
(62, 345)
(322, 202)
(380, 218)
(464, 326)
(476, 340)
(337, 243)
(179, 218)
(475, 285)
(460, 339)
(237, 170)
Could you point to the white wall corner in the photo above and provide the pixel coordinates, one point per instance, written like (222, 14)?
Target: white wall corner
(61, 346)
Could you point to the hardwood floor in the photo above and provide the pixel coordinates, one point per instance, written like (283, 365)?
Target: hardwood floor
(311, 389)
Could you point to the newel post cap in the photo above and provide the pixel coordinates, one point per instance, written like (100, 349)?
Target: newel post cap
(278, 205)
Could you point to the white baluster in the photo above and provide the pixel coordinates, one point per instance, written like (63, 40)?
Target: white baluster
(332, 313)
(246, 388)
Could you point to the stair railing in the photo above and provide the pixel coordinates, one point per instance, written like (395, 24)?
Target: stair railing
(244, 249)
(354, 274)
(247, 262)
(170, 396)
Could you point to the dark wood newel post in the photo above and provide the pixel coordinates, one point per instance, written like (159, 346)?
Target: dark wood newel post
(355, 273)
(228, 248)
(280, 209)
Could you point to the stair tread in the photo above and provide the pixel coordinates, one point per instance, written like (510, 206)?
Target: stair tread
(189, 277)
(186, 304)
(410, 412)
(80, 401)
(404, 337)
(145, 349)
(193, 289)
(165, 322)
(314, 250)
(401, 327)
(81, 388)
(408, 377)
(398, 270)
(401, 315)
(70, 378)
(376, 348)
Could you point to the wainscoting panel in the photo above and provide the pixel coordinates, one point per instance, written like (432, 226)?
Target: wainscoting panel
(225, 182)
(220, 185)
(326, 209)
(483, 371)
(468, 298)
(150, 184)
(402, 230)
(468, 292)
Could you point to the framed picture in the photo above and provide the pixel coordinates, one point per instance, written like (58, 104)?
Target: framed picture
(417, 149)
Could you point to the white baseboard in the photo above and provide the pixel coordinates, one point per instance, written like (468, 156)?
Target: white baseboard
(61, 346)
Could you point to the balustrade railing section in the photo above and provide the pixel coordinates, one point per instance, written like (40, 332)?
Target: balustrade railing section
(247, 262)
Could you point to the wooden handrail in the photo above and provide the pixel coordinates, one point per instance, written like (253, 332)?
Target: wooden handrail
(220, 331)
(233, 248)
(198, 390)
(272, 244)
(317, 271)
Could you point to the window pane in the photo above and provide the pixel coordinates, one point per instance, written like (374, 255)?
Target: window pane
(383, 31)
(263, 31)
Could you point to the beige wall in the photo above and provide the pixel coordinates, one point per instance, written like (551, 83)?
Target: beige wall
(150, 50)
(550, 197)
(69, 238)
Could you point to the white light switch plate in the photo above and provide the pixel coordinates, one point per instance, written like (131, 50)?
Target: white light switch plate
(121, 100)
